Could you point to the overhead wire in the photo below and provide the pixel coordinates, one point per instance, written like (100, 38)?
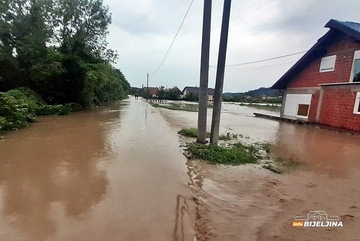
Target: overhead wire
(264, 66)
(264, 60)
(273, 58)
(233, 65)
(182, 22)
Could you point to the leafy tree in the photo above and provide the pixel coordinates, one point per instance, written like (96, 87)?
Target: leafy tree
(191, 97)
(169, 94)
(103, 84)
(58, 48)
(81, 27)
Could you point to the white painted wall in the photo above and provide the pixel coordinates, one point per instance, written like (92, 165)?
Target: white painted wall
(291, 104)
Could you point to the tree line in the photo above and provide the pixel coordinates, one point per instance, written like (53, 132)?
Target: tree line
(58, 49)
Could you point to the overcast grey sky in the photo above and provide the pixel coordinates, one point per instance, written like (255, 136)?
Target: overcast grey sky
(142, 31)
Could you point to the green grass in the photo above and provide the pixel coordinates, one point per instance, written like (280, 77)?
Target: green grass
(191, 132)
(235, 154)
(241, 153)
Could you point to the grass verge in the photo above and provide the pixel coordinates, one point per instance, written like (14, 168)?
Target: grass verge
(235, 154)
(191, 132)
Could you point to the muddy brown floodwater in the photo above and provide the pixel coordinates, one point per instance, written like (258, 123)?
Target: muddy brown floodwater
(118, 173)
(113, 174)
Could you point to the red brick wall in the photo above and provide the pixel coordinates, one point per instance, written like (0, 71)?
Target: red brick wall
(344, 50)
(337, 109)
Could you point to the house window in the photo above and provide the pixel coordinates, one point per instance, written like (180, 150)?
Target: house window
(357, 104)
(355, 76)
(303, 110)
(327, 64)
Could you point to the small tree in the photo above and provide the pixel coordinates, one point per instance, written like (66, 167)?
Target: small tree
(191, 97)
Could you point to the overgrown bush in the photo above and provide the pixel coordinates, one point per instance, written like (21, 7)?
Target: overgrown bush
(58, 109)
(20, 106)
(15, 112)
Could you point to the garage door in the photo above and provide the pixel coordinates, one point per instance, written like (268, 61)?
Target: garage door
(297, 106)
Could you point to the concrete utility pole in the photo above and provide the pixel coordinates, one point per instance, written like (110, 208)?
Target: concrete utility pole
(147, 86)
(215, 124)
(204, 72)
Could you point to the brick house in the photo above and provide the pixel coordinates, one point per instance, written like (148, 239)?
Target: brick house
(196, 90)
(153, 91)
(324, 85)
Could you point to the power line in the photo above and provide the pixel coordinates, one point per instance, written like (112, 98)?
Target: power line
(264, 60)
(265, 66)
(182, 22)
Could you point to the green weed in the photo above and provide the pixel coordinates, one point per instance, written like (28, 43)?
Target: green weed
(191, 132)
(235, 154)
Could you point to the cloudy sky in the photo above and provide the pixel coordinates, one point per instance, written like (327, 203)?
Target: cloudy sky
(142, 31)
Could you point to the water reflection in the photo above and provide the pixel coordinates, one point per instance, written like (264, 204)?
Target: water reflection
(55, 161)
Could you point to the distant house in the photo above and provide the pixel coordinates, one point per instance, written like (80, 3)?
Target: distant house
(175, 89)
(172, 93)
(196, 90)
(324, 85)
(153, 91)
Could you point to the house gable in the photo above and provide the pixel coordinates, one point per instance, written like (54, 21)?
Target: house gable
(342, 39)
(343, 47)
(151, 90)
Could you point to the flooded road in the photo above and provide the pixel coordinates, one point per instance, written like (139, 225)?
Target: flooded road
(251, 203)
(113, 174)
(118, 173)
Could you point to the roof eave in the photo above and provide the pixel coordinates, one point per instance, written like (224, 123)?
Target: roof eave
(300, 64)
(343, 28)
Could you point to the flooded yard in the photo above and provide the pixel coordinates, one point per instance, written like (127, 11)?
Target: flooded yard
(118, 173)
(251, 203)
